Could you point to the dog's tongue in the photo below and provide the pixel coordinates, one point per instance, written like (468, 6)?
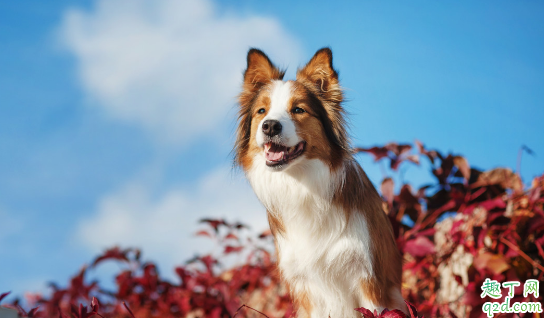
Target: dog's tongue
(274, 152)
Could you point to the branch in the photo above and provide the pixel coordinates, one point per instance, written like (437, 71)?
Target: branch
(517, 249)
(238, 310)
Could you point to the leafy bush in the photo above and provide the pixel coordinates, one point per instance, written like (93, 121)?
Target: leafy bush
(497, 231)
(466, 226)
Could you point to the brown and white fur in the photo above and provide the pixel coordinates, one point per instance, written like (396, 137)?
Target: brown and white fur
(336, 250)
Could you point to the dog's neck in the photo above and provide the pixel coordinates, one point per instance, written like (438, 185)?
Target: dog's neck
(305, 190)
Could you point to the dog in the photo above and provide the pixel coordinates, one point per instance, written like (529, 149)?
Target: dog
(335, 245)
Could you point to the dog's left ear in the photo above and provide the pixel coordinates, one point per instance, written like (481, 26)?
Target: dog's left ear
(260, 71)
(321, 78)
(320, 75)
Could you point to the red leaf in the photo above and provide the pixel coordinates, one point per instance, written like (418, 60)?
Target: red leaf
(496, 264)
(397, 149)
(129, 311)
(406, 196)
(21, 311)
(264, 234)
(540, 249)
(214, 223)
(387, 188)
(4, 295)
(366, 313)
(458, 279)
(112, 253)
(497, 203)
(411, 309)
(431, 154)
(395, 313)
(231, 236)
(396, 161)
(536, 225)
(203, 233)
(232, 249)
(240, 226)
(413, 158)
(377, 152)
(32, 312)
(462, 164)
(208, 261)
(427, 232)
(94, 305)
(420, 246)
(61, 314)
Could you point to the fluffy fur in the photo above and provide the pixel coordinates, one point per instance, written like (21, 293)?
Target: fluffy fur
(336, 249)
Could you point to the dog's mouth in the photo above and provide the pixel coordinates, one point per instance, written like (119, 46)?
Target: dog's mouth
(277, 155)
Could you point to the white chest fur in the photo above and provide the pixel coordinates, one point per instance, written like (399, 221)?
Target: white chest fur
(321, 254)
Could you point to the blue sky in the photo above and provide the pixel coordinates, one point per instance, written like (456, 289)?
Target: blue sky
(117, 116)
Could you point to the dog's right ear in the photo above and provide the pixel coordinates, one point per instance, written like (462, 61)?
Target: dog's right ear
(260, 71)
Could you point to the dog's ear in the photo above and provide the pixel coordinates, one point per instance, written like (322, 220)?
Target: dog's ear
(322, 80)
(259, 72)
(320, 75)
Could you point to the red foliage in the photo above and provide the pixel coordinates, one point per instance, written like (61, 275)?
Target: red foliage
(496, 232)
(386, 313)
(202, 291)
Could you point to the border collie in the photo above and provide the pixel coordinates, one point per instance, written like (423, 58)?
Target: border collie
(335, 245)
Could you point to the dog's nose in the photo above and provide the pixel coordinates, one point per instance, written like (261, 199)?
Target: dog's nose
(271, 127)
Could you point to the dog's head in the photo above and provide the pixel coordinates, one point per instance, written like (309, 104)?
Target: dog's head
(283, 123)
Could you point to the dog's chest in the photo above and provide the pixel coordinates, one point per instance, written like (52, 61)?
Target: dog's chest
(318, 239)
(326, 261)
(328, 249)
(323, 254)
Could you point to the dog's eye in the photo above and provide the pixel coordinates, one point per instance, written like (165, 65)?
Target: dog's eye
(298, 110)
(261, 111)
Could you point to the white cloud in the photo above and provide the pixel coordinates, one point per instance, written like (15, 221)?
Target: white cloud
(164, 225)
(174, 67)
